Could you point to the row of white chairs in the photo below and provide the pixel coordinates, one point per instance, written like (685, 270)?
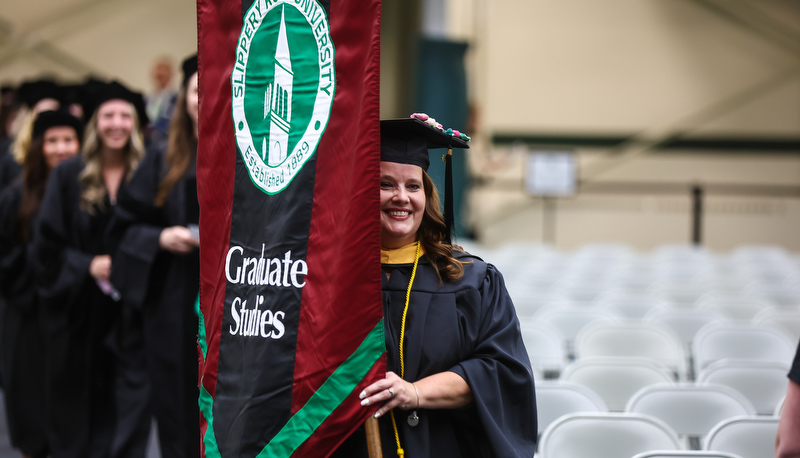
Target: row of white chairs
(616, 380)
(615, 435)
(730, 305)
(566, 335)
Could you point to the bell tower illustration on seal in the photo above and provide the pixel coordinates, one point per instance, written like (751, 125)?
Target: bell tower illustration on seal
(278, 102)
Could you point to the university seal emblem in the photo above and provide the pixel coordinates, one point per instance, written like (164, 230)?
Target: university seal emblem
(282, 84)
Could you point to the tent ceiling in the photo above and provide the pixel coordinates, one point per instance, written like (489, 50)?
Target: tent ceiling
(110, 38)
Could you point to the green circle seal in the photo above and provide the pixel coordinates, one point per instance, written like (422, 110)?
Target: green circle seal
(282, 88)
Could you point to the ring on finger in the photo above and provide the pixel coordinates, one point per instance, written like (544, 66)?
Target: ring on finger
(391, 392)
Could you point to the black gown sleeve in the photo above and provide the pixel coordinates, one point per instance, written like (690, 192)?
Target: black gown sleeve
(61, 268)
(135, 231)
(499, 373)
(794, 371)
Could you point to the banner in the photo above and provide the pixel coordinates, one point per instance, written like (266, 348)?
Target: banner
(288, 164)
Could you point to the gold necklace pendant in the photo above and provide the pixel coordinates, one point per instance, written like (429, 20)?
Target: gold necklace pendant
(413, 419)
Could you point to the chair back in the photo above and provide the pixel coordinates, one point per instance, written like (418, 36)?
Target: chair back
(616, 379)
(605, 435)
(763, 383)
(748, 436)
(555, 399)
(685, 453)
(689, 409)
(632, 338)
(717, 341)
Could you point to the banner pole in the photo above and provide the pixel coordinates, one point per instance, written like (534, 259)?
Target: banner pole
(373, 438)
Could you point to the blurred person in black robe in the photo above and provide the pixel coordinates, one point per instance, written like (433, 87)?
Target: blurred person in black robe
(459, 381)
(36, 96)
(56, 138)
(72, 263)
(787, 441)
(156, 269)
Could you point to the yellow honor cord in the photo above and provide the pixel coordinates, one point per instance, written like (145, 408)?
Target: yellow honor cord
(400, 452)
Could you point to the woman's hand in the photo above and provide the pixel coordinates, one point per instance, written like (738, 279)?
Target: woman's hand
(393, 392)
(100, 268)
(177, 239)
(445, 390)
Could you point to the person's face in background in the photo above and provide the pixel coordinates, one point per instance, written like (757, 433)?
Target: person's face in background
(192, 101)
(115, 123)
(59, 143)
(402, 203)
(162, 74)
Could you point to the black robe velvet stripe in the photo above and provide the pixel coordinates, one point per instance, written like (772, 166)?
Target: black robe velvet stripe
(77, 317)
(159, 289)
(468, 327)
(21, 345)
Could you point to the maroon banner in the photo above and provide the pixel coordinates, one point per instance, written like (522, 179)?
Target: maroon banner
(288, 163)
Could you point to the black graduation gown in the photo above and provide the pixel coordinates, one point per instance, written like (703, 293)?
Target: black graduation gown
(9, 170)
(161, 288)
(21, 346)
(468, 327)
(77, 318)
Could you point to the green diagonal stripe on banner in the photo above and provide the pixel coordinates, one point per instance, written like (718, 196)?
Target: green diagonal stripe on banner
(201, 328)
(328, 397)
(209, 440)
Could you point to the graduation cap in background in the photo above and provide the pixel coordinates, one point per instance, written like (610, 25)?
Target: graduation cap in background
(189, 67)
(100, 93)
(48, 119)
(32, 92)
(407, 141)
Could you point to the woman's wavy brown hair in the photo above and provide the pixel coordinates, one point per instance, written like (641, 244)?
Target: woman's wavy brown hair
(432, 233)
(180, 149)
(34, 178)
(91, 177)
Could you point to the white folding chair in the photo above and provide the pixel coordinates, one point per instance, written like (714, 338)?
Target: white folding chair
(732, 306)
(555, 398)
(545, 345)
(632, 305)
(632, 338)
(763, 383)
(786, 320)
(748, 436)
(684, 322)
(690, 410)
(685, 453)
(570, 319)
(717, 341)
(616, 379)
(605, 435)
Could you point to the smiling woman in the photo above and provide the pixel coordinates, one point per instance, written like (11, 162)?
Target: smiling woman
(72, 264)
(55, 138)
(458, 381)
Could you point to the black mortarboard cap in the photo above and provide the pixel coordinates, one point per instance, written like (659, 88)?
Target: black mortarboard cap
(48, 119)
(32, 92)
(103, 92)
(189, 67)
(408, 140)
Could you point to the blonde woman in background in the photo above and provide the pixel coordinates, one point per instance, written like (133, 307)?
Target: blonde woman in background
(157, 270)
(73, 264)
